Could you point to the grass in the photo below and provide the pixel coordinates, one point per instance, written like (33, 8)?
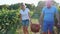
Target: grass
(20, 31)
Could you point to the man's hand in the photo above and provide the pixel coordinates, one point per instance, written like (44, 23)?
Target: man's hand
(40, 26)
(40, 22)
(58, 24)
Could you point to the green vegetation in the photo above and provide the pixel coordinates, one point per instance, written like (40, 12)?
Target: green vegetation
(9, 20)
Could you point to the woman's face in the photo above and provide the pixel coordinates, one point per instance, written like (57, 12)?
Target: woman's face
(23, 7)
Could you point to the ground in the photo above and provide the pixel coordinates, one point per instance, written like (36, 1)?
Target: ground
(19, 31)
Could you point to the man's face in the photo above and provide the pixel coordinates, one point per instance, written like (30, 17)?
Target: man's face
(48, 3)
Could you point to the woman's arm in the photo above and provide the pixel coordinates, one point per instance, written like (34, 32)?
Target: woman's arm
(20, 17)
(29, 16)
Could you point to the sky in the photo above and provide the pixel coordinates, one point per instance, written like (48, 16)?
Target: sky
(9, 2)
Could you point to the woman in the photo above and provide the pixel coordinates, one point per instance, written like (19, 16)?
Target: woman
(24, 17)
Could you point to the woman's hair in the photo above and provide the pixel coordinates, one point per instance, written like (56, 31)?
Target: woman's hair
(23, 4)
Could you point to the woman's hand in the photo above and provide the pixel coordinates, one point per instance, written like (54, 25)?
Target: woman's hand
(30, 21)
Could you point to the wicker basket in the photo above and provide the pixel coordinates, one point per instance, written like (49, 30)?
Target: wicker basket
(35, 27)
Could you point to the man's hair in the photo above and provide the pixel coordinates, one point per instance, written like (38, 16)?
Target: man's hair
(48, 1)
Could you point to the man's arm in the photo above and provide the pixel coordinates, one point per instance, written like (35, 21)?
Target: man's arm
(41, 18)
(58, 17)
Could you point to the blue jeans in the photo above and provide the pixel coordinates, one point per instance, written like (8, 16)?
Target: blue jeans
(25, 22)
(48, 25)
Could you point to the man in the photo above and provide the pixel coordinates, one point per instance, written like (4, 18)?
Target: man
(24, 17)
(47, 16)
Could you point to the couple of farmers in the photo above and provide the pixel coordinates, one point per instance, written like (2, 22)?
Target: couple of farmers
(47, 16)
